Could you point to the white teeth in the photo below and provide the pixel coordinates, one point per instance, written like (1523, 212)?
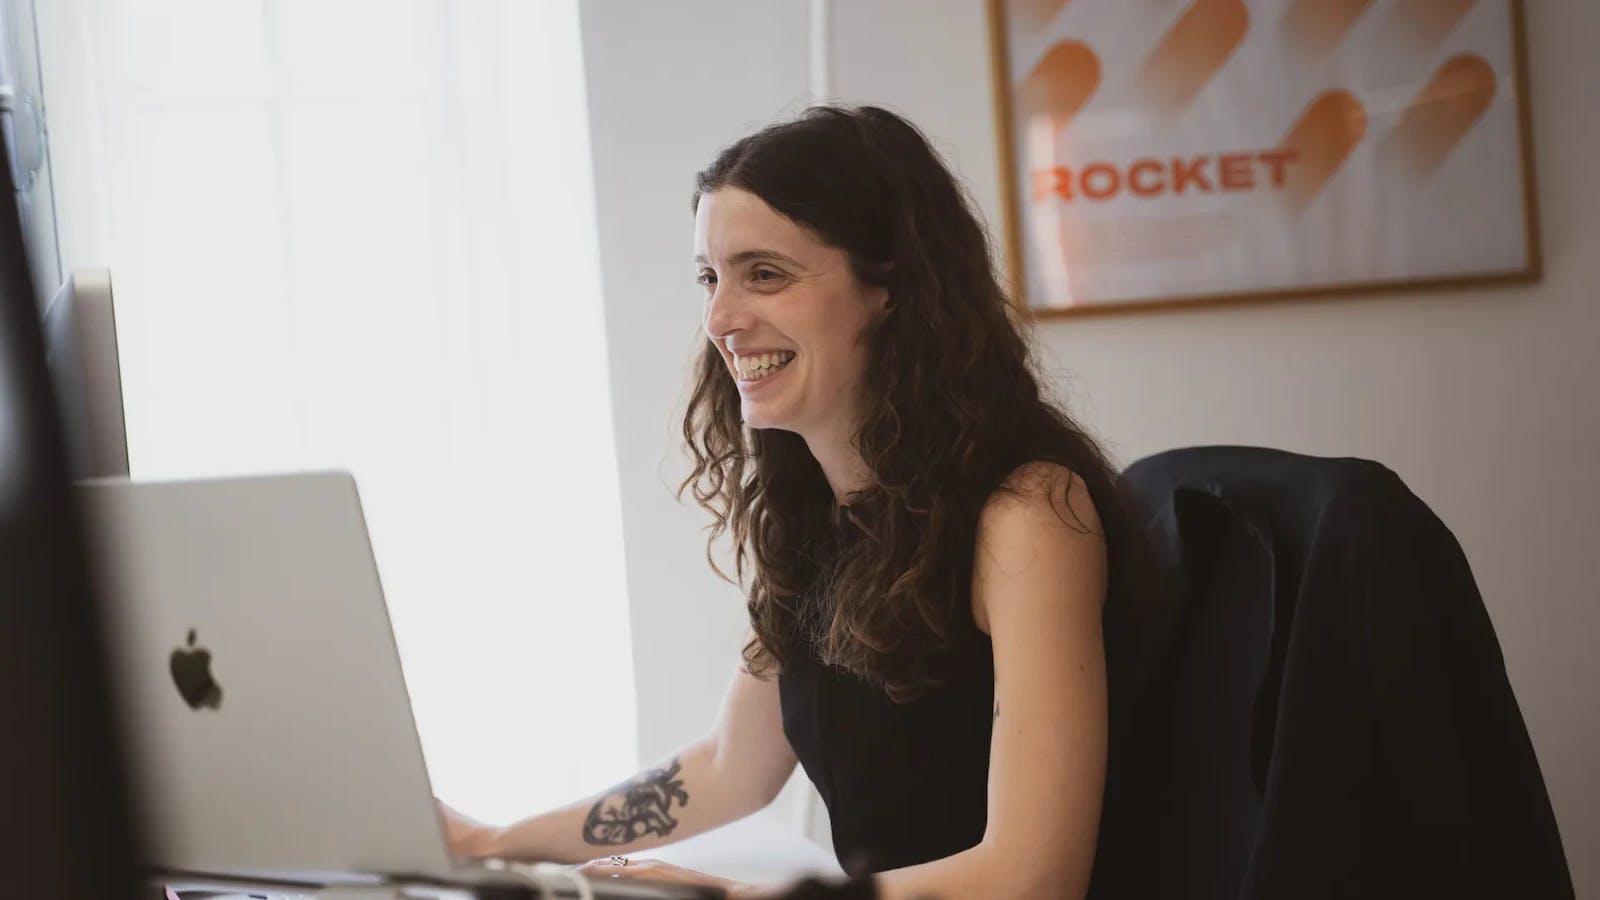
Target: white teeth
(751, 367)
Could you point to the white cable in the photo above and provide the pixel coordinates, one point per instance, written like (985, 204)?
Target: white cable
(821, 51)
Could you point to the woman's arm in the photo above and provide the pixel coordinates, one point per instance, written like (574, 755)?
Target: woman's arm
(735, 770)
(1039, 584)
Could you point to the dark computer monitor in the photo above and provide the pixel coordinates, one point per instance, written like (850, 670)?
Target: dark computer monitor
(69, 829)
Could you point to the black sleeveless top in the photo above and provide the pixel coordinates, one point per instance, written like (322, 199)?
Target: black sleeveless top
(904, 783)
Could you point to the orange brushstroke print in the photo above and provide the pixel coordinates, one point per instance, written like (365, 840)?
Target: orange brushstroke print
(1315, 27)
(1058, 86)
(1440, 115)
(1323, 137)
(1191, 53)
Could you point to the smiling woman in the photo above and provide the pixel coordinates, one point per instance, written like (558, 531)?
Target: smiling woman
(842, 238)
(924, 538)
(923, 530)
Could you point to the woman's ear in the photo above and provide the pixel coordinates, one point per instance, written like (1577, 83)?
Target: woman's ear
(879, 299)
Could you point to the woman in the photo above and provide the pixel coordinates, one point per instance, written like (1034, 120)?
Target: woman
(931, 541)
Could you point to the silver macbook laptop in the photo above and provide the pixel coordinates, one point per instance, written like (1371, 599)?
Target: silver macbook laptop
(271, 732)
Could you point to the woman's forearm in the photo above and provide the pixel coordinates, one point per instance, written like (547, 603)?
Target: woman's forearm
(679, 798)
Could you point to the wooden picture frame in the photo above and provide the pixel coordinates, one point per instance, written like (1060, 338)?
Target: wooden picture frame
(1131, 109)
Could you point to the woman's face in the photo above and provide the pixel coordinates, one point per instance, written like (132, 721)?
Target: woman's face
(773, 287)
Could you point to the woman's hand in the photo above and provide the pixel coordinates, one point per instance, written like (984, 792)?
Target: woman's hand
(467, 836)
(656, 870)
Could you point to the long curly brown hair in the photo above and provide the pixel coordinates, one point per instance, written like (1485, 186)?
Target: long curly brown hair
(951, 406)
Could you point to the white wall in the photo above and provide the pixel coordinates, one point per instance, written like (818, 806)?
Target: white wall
(669, 85)
(1481, 399)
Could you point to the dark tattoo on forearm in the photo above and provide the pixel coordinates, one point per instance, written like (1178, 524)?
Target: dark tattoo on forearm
(996, 710)
(637, 808)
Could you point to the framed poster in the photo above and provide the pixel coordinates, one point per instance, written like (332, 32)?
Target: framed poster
(1167, 153)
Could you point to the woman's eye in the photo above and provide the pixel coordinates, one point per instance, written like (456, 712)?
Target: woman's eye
(767, 275)
(706, 278)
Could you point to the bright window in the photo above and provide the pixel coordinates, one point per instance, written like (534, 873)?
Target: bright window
(361, 235)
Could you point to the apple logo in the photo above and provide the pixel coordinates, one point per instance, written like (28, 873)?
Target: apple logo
(191, 672)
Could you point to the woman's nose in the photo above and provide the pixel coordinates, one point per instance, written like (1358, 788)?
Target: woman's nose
(726, 312)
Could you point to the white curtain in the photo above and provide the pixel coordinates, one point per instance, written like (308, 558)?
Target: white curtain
(361, 235)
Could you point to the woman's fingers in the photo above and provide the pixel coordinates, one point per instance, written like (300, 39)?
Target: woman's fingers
(653, 869)
(606, 865)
